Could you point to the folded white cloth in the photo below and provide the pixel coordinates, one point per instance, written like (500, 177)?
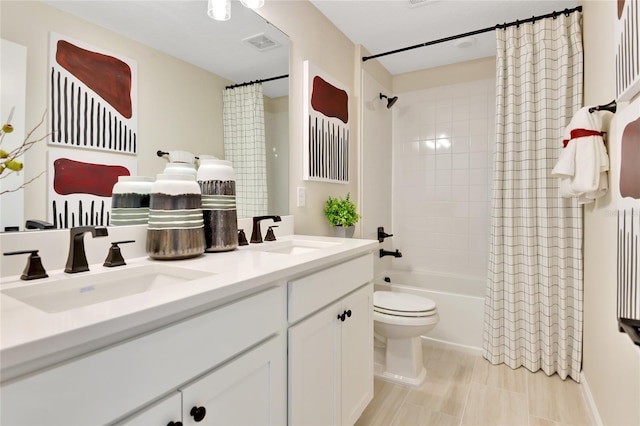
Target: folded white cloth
(583, 163)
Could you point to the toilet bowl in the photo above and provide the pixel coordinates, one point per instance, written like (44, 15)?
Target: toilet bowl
(399, 321)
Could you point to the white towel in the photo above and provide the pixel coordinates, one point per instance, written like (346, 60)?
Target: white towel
(583, 163)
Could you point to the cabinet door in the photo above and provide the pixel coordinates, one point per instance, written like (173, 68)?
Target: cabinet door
(314, 369)
(248, 390)
(357, 354)
(163, 413)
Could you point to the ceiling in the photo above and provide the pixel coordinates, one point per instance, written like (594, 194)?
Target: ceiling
(211, 45)
(378, 25)
(385, 25)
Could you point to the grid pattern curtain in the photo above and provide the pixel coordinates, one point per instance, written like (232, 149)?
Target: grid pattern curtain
(244, 146)
(533, 305)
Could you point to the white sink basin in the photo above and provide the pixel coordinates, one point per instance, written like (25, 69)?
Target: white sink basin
(87, 289)
(291, 247)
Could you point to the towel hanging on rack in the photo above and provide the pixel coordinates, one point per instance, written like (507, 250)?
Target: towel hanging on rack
(583, 163)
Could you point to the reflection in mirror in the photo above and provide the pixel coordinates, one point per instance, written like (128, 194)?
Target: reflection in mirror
(180, 97)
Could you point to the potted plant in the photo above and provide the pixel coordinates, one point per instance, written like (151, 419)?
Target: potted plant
(341, 214)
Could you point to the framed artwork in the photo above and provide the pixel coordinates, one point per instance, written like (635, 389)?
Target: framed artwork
(79, 186)
(92, 97)
(627, 53)
(625, 155)
(326, 139)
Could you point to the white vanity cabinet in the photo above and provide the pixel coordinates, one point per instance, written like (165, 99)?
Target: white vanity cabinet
(167, 412)
(127, 378)
(255, 379)
(331, 350)
(247, 391)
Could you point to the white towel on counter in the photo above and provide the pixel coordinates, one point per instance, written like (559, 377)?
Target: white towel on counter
(583, 163)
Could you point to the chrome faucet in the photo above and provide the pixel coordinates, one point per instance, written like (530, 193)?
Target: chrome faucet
(77, 258)
(256, 233)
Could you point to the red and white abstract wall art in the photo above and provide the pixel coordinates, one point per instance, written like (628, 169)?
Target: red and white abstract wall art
(625, 153)
(627, 54)
(92, 97)
(79, 187)
(326, 140)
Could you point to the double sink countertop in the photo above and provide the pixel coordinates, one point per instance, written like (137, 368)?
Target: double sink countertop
(49, 320)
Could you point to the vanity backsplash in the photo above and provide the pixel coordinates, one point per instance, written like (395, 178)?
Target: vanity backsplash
(53, 245)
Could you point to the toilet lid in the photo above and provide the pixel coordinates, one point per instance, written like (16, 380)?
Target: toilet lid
(401, 303)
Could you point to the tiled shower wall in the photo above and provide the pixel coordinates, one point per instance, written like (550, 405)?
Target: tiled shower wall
(443, 141)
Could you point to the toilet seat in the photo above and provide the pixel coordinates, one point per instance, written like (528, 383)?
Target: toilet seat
(413, 321)
(404, 313)
(403, 304)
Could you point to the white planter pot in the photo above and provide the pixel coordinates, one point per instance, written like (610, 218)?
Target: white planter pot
(343, 232)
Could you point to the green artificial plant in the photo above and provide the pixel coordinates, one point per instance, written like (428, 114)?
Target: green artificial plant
(341, 212)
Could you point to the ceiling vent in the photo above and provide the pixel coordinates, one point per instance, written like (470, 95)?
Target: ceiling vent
(261, 42)
(417, 3)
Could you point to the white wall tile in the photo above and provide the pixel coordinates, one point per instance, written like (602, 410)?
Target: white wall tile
(441, 192)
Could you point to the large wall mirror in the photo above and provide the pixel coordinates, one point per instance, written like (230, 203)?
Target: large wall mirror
(244, 49)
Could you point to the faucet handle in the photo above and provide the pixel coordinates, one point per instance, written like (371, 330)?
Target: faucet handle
(34, 268)
(382, 235)
(242, 238)
(270, 235)
(114, 258)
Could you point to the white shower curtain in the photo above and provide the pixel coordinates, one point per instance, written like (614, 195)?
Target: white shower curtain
(533, 307)
(244, 146)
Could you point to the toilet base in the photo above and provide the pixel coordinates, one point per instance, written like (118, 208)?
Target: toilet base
(400, 361)
(396, 378)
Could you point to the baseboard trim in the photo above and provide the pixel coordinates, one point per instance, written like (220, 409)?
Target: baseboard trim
(591, 403)
(428, 341)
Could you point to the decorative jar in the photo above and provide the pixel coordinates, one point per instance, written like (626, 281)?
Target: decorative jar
(176, 227)
(217, 184)
(130, 200)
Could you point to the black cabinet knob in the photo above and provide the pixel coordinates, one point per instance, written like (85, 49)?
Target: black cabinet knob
(198, 413)
(174, 424)
(346, 314)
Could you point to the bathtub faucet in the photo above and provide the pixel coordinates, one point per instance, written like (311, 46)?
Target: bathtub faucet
(384, 253)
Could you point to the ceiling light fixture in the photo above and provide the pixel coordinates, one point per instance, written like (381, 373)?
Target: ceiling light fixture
(220, 10)
(253, 4)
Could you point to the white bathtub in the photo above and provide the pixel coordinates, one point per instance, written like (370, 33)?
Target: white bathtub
(459, 299)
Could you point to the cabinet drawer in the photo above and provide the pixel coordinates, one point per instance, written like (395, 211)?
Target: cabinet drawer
(310, 293)
(105, 385)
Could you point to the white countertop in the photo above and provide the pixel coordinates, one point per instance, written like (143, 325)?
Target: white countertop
(31, 338)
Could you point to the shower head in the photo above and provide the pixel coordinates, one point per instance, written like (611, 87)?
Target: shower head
(390, 101)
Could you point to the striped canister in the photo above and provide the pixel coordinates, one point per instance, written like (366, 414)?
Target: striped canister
(217, 183)
(176, 228)
(130, 200)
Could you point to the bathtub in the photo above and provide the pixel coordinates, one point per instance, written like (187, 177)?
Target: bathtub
(460, 303)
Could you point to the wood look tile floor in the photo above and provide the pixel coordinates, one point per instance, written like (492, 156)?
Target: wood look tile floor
(465, 389)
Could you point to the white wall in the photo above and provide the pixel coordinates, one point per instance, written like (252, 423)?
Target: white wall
(315, 38)
(443, 141)
(377, 164)
(611, 363)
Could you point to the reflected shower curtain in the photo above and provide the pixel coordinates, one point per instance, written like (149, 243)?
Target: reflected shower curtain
(533, 305)
(244, 146)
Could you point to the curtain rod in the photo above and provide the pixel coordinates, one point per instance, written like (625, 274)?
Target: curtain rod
(484, 30)
(248, 83)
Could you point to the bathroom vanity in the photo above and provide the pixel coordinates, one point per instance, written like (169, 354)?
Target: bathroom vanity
(273, 333)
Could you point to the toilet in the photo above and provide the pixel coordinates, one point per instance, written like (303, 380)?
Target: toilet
(399, 321)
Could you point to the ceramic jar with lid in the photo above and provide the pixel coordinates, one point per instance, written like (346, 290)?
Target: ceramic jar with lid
(217, 184)
(176, 227)
(130, 200)
(180, 169)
